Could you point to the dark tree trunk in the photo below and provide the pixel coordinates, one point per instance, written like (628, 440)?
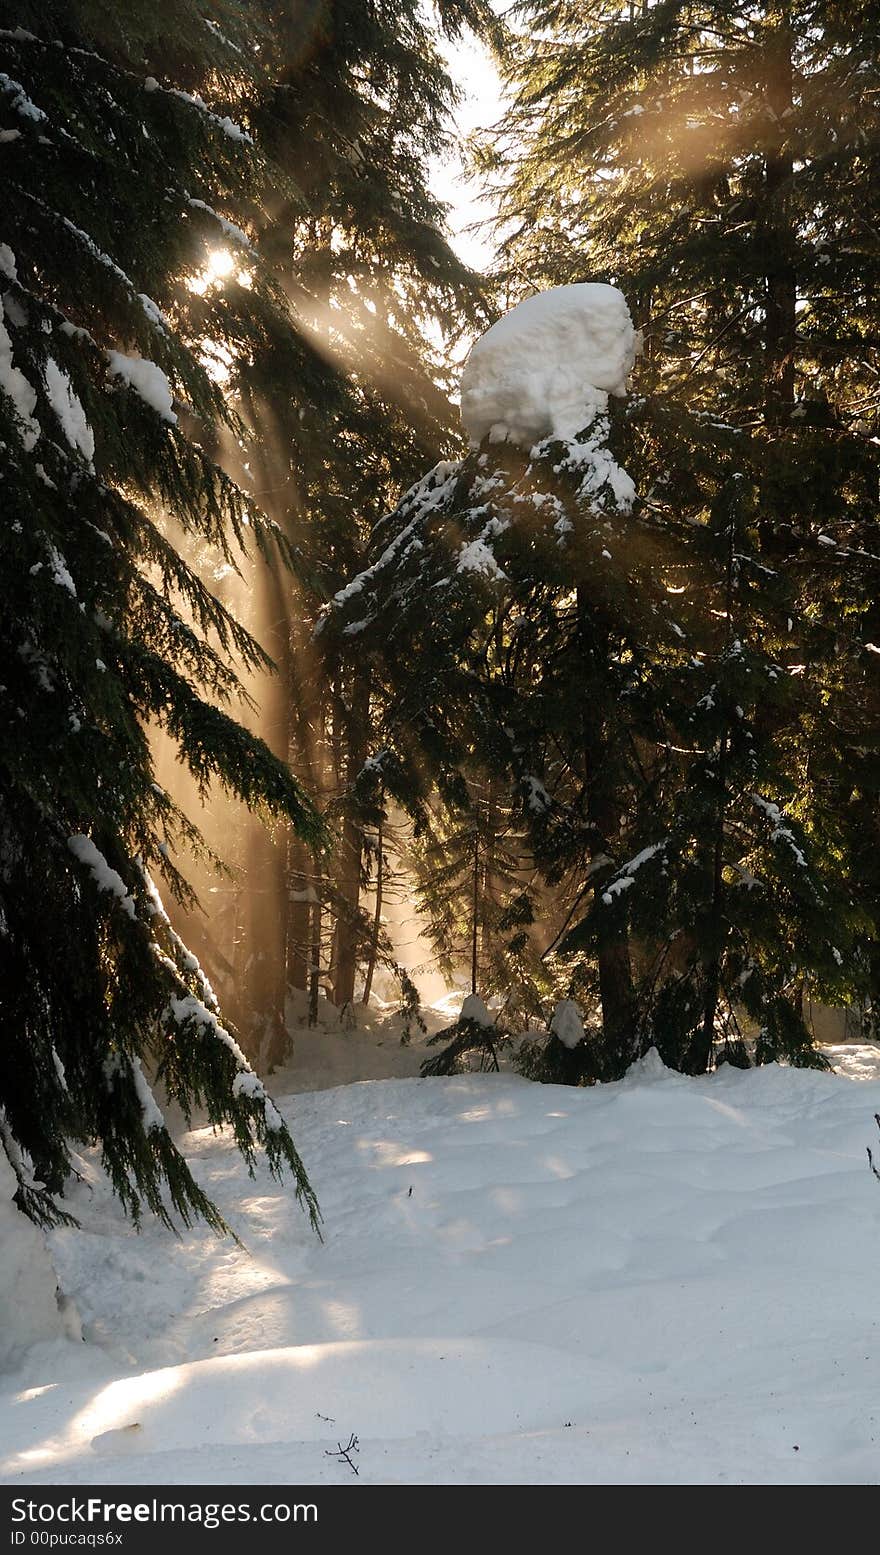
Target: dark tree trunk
(475, 915)
(348, 935)
(490, 891)
(315, 944)
(775, 231)
(603, 807)
(373, 949)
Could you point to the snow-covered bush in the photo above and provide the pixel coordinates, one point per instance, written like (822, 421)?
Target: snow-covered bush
(471, 1042)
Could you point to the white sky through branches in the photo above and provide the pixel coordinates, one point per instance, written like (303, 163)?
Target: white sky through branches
(473, 70)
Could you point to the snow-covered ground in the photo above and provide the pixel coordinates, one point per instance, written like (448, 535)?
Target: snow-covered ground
(662, 1280)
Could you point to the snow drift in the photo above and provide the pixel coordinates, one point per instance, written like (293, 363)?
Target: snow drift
(547, 363)
(662, 1280)
(28, 1308)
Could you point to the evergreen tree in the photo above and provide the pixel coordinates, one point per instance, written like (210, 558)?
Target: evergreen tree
(474, 1040)
(719, 162)
(612, 664)
(465, 865)
(340, 419)
(116, 187)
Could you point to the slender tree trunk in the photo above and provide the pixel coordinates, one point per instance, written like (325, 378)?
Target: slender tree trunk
(698, 1059)
(315, 946)
(258, 1005)
(776, 234)
(348, 936)
(603, 803)
(475, 915)
(305, 692)
(489, 883)
(299, 905)
(377, 916)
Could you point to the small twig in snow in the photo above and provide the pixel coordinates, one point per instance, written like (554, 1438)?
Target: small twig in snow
(344, 1453)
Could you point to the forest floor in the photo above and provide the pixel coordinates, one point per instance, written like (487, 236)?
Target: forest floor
(664, 1280)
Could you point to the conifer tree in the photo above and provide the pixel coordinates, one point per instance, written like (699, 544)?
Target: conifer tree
(613, 665)
(116, 187)
(719, 162)
(465, 865)
(358, 99)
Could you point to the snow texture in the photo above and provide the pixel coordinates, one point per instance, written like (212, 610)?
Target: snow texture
(15, 385)
(601, 475)
(246, 1082)
(476, 555)
(27, 1279)
(228, 126)
(7, 263)
(147, 380)
(228, 228)
(105, 878)
(21, 103)
(151, 1112)
(519, 1284)
(68, 409)
(473, 1008)
(537, 797)
(567, 1024)
(60, 571)
(626, 876)
(545, 368)
(781, 832)
(431, 492)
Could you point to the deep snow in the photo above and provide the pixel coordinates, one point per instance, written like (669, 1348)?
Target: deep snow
(27, 1279)
(662, 1280)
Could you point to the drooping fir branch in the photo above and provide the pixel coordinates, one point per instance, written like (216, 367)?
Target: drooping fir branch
(104, 403)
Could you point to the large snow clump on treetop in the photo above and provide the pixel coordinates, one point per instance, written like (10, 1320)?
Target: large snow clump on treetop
(550, 361)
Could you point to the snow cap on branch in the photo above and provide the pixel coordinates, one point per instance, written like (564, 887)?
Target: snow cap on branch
(473, 1008)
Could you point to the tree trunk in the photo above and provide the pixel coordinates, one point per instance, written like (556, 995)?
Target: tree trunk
(261, 981)
(348, 936)
(490, 893)
(317, 916)
(304, 695)
(300, 898)
(475, 915)
(603, 804)
(377, 916)
(776, 236)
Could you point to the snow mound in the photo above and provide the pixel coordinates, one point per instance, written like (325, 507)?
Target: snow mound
(474, 1009)
(380, 1389)
(548, 364)
(27, 1278)
(648, 1069)
(567, 1024)
(519, 1284)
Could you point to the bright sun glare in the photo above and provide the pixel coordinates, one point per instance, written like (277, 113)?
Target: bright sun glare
(220, 264)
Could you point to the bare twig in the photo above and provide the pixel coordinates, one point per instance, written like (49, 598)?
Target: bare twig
(344, 1453)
